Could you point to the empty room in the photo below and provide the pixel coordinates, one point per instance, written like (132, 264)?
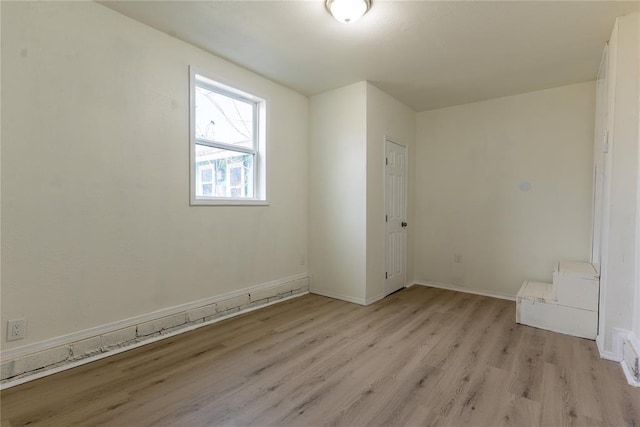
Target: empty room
(320, 212)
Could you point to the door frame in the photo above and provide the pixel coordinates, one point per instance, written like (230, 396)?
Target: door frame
(609, 60)
(601, 176)
(392, 140)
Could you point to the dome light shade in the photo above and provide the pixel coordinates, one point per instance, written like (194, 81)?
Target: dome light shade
(348, 11)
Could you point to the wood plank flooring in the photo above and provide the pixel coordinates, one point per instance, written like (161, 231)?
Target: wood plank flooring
(423, 357)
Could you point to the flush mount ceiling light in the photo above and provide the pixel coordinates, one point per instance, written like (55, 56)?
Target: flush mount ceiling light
(348, 11)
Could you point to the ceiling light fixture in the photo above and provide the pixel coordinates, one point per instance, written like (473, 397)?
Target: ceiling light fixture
(348, 11)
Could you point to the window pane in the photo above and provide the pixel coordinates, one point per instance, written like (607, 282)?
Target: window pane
(223, 173)
(223, 119)
(207, 174)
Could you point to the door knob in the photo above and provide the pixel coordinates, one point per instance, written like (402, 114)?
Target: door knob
(404, 224)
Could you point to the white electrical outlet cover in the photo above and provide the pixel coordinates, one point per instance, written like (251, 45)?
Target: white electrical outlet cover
(16, 329)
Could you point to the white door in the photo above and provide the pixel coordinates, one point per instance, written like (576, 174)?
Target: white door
(395, 200)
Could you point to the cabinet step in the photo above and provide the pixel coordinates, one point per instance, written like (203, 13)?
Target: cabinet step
(535, 306)
(576, 284)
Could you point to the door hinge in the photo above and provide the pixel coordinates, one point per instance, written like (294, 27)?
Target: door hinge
(386, 160)
(386, 275)
(605, 146)
(386, 218)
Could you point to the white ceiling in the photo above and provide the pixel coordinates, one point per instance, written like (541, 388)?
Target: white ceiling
(427, 54)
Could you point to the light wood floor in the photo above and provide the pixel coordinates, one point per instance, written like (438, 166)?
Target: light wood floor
(422, 356)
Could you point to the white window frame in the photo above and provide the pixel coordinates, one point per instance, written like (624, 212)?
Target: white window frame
(258, 151)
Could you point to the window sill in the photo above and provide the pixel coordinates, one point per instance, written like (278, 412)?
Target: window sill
(228, 202)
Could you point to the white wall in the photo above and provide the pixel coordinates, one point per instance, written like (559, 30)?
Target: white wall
(385, 117)
(346, 209)
(470, 163)
(337, 192)
(96, 222)
(618, 286)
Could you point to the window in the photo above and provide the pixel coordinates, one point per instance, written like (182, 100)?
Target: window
(227, 144)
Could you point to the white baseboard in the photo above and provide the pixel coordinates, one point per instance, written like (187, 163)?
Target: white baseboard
(630, 358)
(334, 295)
(620, 338)
(55, 370)
(136, 320)
(377, 298)
(464, 289)
(635, 342)
(43, 358)
(629, 376)
(604, 354)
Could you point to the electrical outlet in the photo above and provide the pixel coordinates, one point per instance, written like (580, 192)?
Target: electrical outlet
(16, 329)
(457, 258)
